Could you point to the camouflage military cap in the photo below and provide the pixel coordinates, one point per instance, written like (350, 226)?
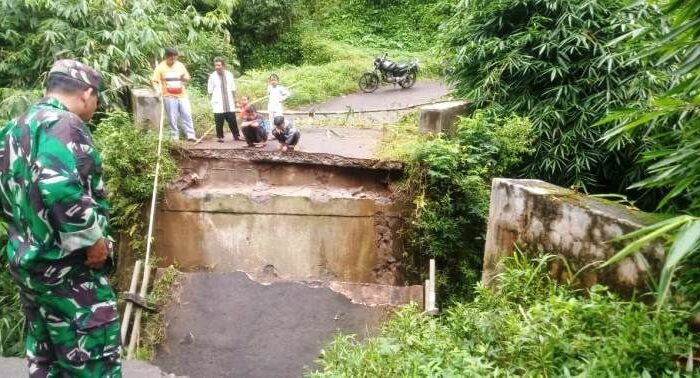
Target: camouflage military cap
(79, 71)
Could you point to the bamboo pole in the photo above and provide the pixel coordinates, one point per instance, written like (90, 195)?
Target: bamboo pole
(129, 305)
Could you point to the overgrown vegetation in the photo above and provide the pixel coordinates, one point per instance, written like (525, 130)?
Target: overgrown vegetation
(129, 157)
(530, 325)
(410, 25)
(273, 33)
(153, 324)
(670, 125)
(449, 179)
(120, 39)
(555, 62)
(11, 316)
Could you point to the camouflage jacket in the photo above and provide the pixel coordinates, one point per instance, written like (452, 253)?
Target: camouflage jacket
(52, 193)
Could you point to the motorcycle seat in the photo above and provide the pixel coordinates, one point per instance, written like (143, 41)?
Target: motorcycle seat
(401, 67)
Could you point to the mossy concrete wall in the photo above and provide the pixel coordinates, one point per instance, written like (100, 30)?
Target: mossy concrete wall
(543, 218)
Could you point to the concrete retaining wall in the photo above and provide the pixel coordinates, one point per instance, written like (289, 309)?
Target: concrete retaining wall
(543, 218)
(292, 221)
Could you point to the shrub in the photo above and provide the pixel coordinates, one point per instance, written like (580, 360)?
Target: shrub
(129, 156)
(11, 316)
(265, 33)
(555, 62)
(450, 181)
(530, 326)
(120, 39)
(389, 24)
(670, 123)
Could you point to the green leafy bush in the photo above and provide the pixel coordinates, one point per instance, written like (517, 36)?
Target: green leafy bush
(120, 39)
(450, 181)
(531, 326)
(670, 125)
(556, 62)
(389, 24)
(129, 156)
(266, 33)
(11, 316)
(14, 101)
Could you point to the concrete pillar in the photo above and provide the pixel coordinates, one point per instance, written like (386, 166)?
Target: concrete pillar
(543, 218)
(145, 106)
(441, 117)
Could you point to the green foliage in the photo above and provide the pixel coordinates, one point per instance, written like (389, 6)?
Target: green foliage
(450, 181)
(130, 156)
(683, 234)
(153, 324)
(266, 34)
(531, 326)
(271, 33)
(555, 62)
(670, 123)
(14, 102)
(121, 39)
(11, 316)
(388, 24)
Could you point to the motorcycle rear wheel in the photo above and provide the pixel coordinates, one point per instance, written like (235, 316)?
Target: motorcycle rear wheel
(409, 81)
(369, 82)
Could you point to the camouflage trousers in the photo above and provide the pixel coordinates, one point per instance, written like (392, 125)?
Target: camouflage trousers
(73, 328)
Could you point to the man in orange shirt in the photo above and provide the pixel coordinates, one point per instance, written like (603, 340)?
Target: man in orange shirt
(169, 80)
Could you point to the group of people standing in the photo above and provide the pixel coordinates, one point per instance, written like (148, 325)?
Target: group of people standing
(170, 77)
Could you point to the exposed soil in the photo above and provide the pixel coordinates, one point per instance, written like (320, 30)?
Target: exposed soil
(225, 325)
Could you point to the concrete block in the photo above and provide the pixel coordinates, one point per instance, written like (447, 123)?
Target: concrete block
(543, 218)
(441, 117)
(145, 106)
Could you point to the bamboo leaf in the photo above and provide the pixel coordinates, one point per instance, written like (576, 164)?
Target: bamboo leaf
(642, 242)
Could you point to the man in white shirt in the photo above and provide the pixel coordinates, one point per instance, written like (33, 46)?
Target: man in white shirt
(222, 90)
(276, 94)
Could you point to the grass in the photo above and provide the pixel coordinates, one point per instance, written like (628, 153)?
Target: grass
(165, 288)
(530, 326)
(402, 139)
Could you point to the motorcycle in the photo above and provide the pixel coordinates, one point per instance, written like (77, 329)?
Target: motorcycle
(403, 74)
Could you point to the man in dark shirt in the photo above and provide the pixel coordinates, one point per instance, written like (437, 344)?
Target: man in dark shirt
(286, 134)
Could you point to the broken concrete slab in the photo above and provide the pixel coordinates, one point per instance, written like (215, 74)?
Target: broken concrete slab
(544, 218)
(324, 146)
(379, 295)
(441, 117)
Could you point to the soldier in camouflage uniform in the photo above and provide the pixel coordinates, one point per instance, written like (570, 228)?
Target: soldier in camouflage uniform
(59, 248)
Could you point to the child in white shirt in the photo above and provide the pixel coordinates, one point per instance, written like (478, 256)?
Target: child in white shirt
(276, 94)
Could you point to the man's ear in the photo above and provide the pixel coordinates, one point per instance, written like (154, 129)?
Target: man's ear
(85, 96)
